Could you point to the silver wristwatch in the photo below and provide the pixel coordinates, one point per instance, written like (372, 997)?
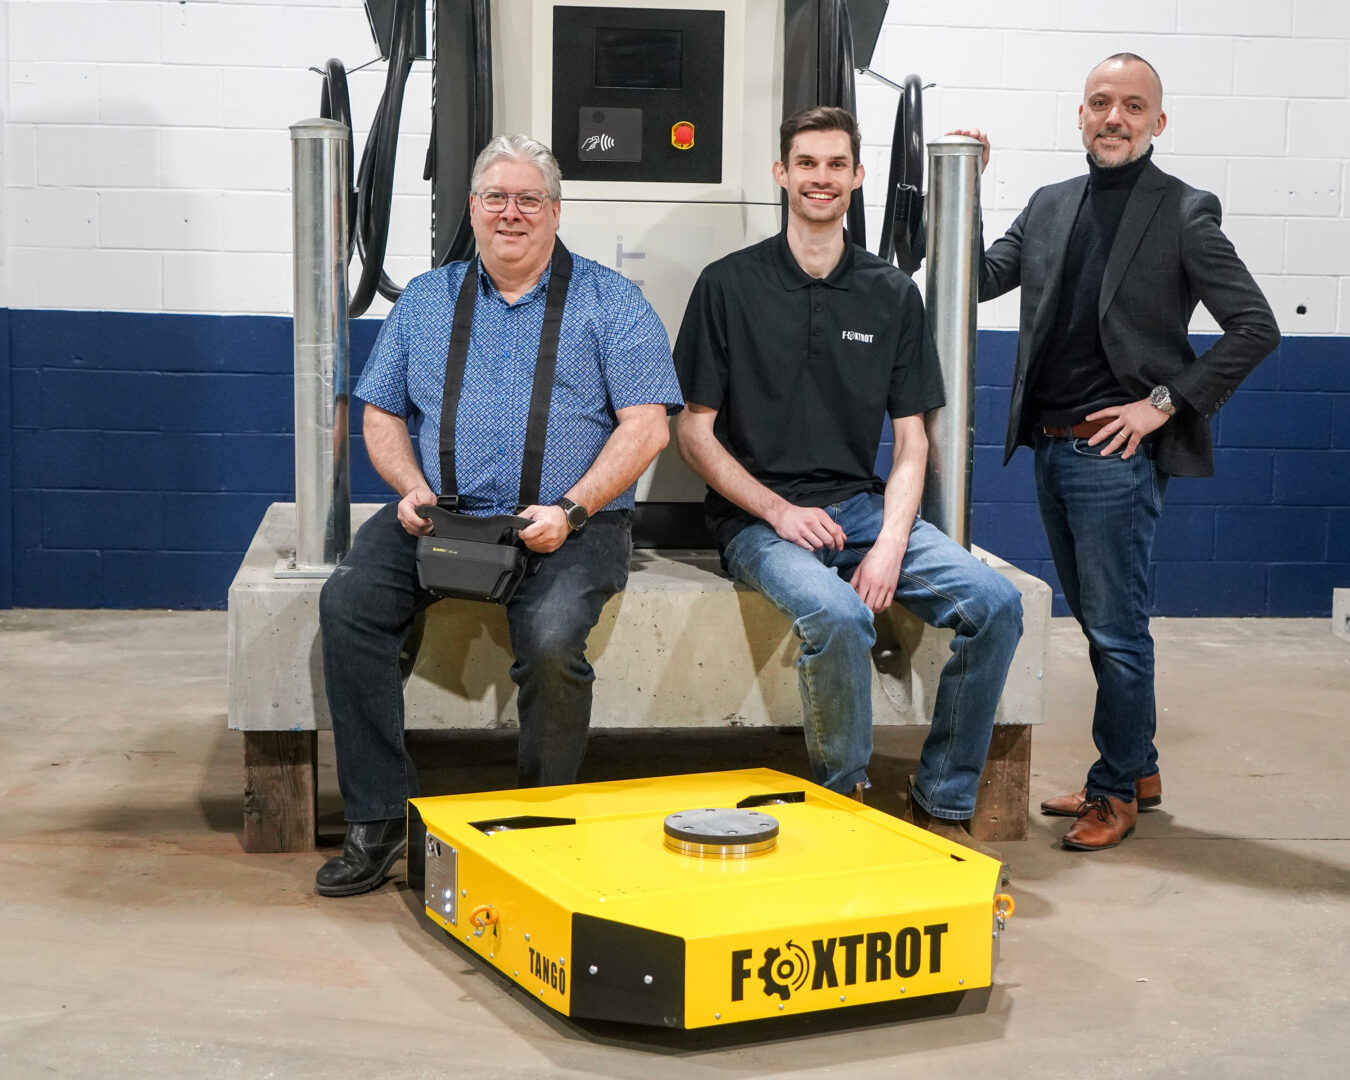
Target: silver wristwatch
(1161, 398)
(575, 513)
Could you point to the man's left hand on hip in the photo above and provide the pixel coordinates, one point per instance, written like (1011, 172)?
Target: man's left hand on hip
(1128, 425)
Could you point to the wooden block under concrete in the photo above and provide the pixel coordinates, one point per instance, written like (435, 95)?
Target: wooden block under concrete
(1005, 786)
(279, 790)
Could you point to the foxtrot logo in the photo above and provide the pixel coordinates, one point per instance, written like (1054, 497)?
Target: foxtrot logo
(856, 335)
(840, 961)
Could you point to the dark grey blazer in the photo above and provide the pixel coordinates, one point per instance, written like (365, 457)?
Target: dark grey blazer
(1169, 253)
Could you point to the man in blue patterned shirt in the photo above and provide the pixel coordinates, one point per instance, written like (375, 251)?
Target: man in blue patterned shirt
(613, 387)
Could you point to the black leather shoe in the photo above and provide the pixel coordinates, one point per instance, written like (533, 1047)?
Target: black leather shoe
(370, 849)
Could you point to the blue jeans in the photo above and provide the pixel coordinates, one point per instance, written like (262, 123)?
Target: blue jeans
(941, 583)
(1100, 515)
(367, 608)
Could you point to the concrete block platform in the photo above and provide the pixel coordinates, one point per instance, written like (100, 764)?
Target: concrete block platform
(683, 646)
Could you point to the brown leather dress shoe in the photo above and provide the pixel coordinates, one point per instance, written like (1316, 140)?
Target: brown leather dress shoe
(1103, 823)
(1147, 789)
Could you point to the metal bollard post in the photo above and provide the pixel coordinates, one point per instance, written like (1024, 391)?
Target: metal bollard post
(951, 291)
(320, 168)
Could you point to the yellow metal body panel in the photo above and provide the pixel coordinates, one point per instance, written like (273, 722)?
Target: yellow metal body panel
(852, 907)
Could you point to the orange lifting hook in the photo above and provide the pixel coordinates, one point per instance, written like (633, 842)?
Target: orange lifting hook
(1003, 909)
(483, 916)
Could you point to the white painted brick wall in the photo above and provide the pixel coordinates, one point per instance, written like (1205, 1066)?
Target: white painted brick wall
(1322, 18)
(145, 162)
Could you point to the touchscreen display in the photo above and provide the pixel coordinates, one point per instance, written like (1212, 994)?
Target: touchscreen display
(633, 59)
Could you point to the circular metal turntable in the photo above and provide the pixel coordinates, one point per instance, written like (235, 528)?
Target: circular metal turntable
(721, 833)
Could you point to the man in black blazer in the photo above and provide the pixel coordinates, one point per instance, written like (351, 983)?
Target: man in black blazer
(1113, 400)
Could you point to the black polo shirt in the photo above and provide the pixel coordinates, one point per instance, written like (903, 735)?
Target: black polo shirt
(803, 371)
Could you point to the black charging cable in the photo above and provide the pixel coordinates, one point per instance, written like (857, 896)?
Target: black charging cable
(371, 197)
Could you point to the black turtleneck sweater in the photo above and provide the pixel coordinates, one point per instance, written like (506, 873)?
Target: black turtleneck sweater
(1073, 377)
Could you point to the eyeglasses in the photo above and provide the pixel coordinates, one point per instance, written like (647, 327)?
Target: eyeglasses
(527, 202)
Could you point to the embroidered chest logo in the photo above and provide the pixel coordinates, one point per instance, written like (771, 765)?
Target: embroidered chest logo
(856, 335)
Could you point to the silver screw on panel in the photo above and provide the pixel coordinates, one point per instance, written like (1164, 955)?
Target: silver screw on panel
(594, 969)
(647, 979)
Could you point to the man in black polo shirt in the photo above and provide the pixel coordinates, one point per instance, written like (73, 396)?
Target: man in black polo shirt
(791, 354)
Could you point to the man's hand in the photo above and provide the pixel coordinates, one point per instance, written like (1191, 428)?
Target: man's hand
(976, 133)
(1129, 423)
(809, 527)
(875, 579)
(407, 511)
(549, 530)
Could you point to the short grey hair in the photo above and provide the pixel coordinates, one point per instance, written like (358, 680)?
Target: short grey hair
(520, 148)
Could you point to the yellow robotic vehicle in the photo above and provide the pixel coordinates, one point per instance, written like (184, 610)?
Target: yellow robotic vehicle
(714, 898)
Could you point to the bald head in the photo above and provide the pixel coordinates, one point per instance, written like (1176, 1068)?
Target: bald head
(1121, 111)
(1119, 60)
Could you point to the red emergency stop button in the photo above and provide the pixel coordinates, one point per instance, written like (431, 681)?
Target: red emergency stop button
(682, 135)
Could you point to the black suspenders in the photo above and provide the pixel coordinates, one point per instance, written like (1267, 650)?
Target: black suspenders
(536, 427)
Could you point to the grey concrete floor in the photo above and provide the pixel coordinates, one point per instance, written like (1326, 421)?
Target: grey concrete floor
(138, 940)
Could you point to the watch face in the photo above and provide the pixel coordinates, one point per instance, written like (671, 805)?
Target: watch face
(574, 512)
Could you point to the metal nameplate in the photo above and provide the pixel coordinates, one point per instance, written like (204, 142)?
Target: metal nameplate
(442, 878)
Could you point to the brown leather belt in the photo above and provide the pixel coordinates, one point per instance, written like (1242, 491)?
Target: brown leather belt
(1083, 430)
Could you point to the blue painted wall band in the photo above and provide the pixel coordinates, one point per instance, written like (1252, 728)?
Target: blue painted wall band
(139, 451)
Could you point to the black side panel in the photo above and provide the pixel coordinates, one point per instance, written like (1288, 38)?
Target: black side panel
(417, 850)
(623, 958)
(801, 65)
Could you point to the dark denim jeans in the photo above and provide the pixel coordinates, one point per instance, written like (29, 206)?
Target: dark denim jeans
(1100, 515)
(940, 582)
(367, 608)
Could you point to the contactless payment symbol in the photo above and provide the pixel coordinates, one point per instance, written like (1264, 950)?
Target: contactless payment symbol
(609, 134)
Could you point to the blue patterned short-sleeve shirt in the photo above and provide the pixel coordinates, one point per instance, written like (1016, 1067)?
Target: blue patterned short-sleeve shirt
(612, 353)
